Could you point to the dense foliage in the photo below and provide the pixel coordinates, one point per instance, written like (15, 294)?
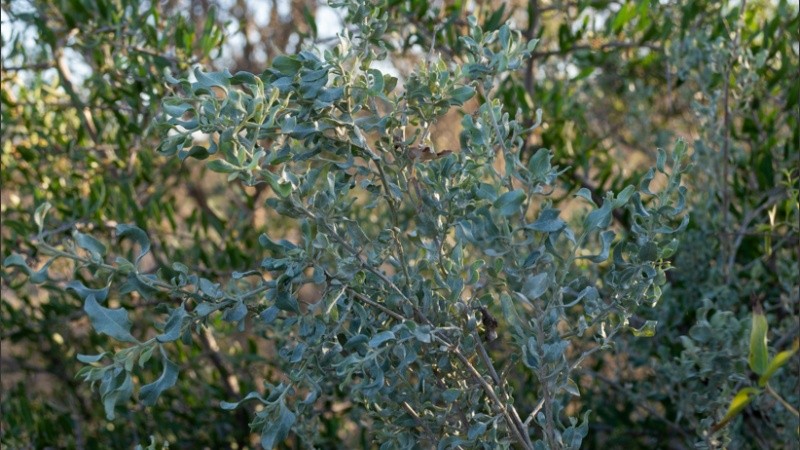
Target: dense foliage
(470, 253)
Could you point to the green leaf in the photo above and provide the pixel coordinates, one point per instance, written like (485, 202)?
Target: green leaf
(535, 286)
(222, 166)
(89, 359)
(548, 221)
(461, 95)
(451, 395)
(599, 218)
(285, 301)
(509, 203)
(646, 330)
(207, 80)
(539, 165)
(510, 312)
(113, 322)
(173, 327)
(661, 160)
(149, 393)
(175, 107)
(35, 276)
(96, 249)
(586, 194)
(236, 313)
(606, 238)
(275, 432)
(116, 388)
(269, 315)
(286, 65)
(571, 387)
(39, 215)
(777, 362)
(625, 14)
(739, 402)
(380, 338)
(138, 236)
(233, 405)
(83, 291)
(206, 308)
(282, 189)
(758, 357)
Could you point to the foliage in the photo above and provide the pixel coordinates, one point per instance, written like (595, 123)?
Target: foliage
(364, 272)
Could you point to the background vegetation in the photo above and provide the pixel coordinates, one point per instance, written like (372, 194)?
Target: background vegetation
(84, 85)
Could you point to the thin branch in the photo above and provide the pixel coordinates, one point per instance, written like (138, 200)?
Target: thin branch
(783, 402)
(603, 47)
(34, 66)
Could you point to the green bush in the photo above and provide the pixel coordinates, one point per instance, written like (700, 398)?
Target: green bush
(360, 281)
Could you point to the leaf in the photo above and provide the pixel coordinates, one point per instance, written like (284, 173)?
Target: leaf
(269, 315)
(461, 95)
(274, 433)
(149, 393)
(477, 429)
(285, 301)
(451, 395)
(173, 327)
(572, 388)
(586, 194)
(624, 196)
(286, 65)
(113, 322)
(625, 14)
(34, 276)
(380, 338)
(138, 236)
(221, 166)
(206, 308)
(89, 359)
(83, 291)
(280, 188)
(207, 80)
(739, 402)
(233, 405)
(548, 222)
(510, 312)
(17, 260)
(777, 362)
(606, 238)
(759, 354)
(535, 286)
(646, 330)
(235, 314)
(661, 160)
(117, 388)
(509, 203)
(175, 107)
(599, 218)
(539, 165)
(39, 215)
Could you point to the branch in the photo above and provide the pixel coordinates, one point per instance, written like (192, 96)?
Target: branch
(66, 81)
(603, 47)
(34, 66)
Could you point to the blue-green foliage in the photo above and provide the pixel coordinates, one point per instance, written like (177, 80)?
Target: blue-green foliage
(418, 253)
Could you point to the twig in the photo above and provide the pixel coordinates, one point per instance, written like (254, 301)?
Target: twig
(603, 47)
(395, 219)
(84, 114)
(783, 402)
(34, 66)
